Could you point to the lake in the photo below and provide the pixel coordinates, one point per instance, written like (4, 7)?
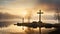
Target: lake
(7, 27)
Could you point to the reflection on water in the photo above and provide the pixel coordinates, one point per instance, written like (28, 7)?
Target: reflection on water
(18, 30)
(13, 29)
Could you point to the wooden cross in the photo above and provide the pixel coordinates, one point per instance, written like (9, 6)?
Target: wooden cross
(40, 14)
(40, 20)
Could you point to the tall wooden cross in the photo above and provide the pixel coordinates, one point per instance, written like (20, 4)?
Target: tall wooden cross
(40, 20)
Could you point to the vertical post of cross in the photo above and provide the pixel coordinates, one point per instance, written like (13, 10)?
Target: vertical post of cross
(39, 15)
(40, 20)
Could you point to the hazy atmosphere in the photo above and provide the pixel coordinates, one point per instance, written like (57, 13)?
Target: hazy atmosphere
(12, 11)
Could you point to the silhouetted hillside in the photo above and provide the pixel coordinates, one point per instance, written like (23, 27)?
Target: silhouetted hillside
(7, 16)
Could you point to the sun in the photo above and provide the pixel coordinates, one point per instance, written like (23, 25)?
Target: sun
(23, 13)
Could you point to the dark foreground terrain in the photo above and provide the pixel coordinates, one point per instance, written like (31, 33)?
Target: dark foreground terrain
(57, 31)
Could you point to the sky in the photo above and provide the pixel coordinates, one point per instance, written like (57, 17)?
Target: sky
(29, 8)
(17, 7)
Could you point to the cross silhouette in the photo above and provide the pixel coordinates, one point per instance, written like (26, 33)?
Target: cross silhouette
(40, 14)
(40, 20)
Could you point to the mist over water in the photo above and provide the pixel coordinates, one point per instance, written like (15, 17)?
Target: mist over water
(13, 29)
(18, 30)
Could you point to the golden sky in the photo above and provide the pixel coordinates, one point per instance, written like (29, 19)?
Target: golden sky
(17, 7)
(28, 8)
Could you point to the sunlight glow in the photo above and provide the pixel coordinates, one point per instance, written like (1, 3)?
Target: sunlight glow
(23, 13)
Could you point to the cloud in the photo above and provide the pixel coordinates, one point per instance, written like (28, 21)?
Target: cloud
(50, 1)
(17, 2)
(49, 4)
(5, 2)
(7, 16)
